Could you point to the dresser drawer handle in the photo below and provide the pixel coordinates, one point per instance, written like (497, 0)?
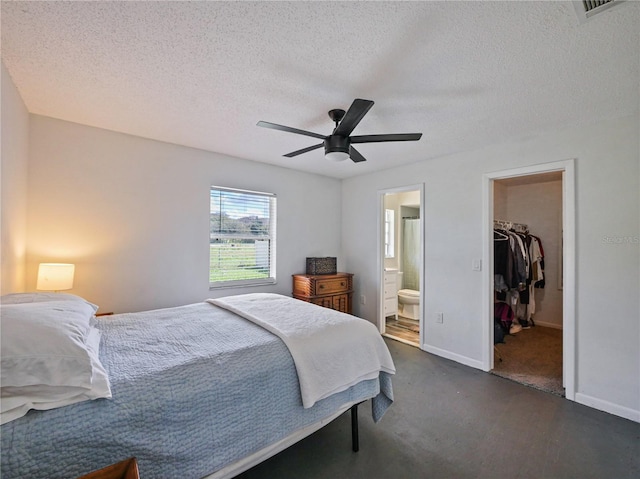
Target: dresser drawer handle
(322, 286)
(342, 284)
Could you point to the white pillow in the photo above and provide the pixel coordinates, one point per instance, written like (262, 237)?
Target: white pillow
(19, 298)
(16, 401)
(45, 344)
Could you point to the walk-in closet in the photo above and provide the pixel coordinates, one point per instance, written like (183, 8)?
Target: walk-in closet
(527, 286)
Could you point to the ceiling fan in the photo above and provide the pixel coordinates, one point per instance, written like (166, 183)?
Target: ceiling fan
(338, 146)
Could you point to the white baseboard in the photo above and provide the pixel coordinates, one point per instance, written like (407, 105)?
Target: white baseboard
(606, 406)
(547, 325)
(586, 400)
(599, 404)
(453, 356)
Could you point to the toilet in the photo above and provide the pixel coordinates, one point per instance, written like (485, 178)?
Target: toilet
(409, 303)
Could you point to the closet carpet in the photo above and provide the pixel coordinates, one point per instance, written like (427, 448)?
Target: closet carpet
(450, 421)
(532, 357)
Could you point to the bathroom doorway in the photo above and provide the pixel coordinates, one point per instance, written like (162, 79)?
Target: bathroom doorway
(401, 264)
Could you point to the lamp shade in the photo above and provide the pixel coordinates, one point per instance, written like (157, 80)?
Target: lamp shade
(55, 276)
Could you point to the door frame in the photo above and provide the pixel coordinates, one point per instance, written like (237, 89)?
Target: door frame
(380, 262)
(569, 339)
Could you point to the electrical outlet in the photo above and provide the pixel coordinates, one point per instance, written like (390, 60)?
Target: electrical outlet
(439, 317)
(362, 299)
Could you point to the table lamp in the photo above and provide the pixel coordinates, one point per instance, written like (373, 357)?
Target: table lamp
(55, 276)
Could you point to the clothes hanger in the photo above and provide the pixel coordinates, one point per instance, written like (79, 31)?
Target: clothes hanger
(500, 234)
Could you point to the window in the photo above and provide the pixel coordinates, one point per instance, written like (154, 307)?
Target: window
(242, 238)
(389, 233)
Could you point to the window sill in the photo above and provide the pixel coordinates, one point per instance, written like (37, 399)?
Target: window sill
(242, 284)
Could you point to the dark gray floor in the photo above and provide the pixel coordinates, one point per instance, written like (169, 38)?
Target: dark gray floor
(452, 421)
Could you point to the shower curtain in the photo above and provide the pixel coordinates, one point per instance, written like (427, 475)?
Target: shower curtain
(411, 253)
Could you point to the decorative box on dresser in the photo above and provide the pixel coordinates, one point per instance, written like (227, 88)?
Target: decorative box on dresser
(390, 293)
(333, 291)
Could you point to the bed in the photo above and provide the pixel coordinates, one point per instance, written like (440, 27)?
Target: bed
(203, 390)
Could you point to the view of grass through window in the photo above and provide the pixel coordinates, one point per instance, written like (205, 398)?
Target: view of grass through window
(241, 237)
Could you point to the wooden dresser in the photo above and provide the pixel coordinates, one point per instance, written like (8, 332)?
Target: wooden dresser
(333, 291)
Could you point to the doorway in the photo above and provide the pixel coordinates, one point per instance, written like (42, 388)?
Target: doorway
(400, 262)
(528, 226)
(558, 300)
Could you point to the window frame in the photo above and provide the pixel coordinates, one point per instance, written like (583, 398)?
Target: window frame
(389, 233)
(271, 237)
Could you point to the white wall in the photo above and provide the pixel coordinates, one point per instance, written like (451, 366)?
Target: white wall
(608, 273)
(133, 215)
(499, 201)
(539, 205)
(13, 199)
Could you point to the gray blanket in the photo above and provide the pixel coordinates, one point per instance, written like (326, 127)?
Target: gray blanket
(195, 388)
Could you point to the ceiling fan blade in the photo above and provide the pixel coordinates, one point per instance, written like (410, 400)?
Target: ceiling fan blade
(266, 124)
(352, 117)
(355, 155)
(304, 150)
(389, 137)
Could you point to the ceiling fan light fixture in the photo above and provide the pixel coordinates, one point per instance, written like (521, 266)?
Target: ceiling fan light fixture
(336, 155)
(336, 148)
(337, 145)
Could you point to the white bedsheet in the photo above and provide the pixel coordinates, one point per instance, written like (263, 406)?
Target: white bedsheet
(332, 351)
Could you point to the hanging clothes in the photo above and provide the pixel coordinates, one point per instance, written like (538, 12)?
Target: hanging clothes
(503, 261)
(539, 255)
(518, 270)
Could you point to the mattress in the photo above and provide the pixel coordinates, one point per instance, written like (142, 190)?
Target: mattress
(195, 390)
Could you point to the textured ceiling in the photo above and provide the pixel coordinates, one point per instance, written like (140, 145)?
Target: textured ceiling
(201, 74)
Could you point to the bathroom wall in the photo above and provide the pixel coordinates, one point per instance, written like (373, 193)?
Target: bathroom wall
(398, 202)
(409, 212)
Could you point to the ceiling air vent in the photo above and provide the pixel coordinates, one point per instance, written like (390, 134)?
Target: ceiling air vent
(585, 9)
